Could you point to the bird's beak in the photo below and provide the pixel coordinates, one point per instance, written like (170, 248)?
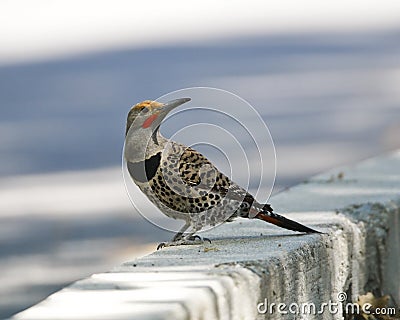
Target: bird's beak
(170, 105)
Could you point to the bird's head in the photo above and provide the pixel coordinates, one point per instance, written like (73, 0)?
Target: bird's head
(147, 115)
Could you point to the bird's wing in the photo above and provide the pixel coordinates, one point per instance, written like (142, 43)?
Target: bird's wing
(194, 167)
(198, 172)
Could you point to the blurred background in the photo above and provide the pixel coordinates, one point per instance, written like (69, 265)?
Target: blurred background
(325, 77)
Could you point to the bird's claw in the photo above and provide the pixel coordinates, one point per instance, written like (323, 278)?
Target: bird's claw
(196, 237)
(161, 245)
(185, 241)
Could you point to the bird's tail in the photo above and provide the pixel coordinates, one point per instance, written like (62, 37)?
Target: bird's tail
(280, 221)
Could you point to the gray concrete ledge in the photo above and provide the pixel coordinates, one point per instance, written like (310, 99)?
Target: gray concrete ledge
(249, 261)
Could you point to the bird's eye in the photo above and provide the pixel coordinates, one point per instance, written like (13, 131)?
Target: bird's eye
(144, 110)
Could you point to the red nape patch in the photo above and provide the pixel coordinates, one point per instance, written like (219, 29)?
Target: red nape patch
(147, 123)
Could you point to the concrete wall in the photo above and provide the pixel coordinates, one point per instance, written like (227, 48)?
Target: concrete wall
(250, 262)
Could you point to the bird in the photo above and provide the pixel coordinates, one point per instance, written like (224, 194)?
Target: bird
(183, 183)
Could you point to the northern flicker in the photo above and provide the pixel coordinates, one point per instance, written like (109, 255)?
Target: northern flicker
(182, 182)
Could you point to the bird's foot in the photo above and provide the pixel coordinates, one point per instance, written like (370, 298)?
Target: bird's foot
(162, 245)
(198, 238)
(191, 240)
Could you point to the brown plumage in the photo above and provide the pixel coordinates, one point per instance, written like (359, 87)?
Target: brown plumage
(182, 182)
